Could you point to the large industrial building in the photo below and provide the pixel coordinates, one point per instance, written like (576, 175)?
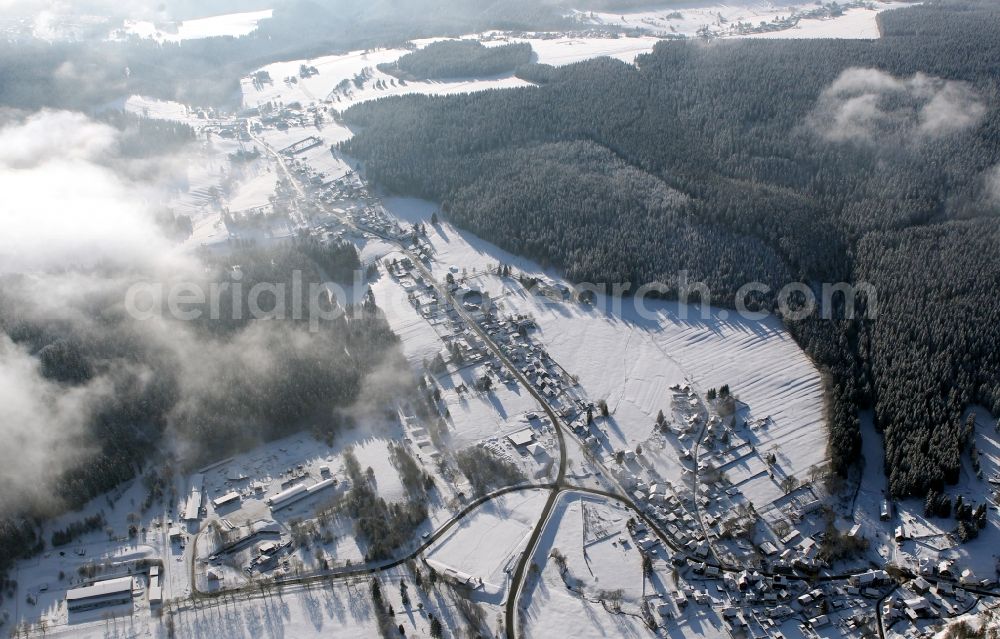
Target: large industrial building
(299, 491)
(110, 592)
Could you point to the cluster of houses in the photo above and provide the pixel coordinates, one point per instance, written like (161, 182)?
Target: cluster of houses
(236, 131)
(750, 603)
(372, 218)
(285, 116)
(529, 439)
(663, 504)
(348, 188)
(939, 591)
(548, 288)
(923, 600)
(512, 335)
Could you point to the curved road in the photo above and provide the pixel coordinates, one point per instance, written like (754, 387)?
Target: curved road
(347, 572)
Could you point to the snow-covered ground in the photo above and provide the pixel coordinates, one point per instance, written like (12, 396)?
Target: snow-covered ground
(158, 109)
(475, 417)
(337, 69)
(562, 50)
(628, 358)
(622, 357)
(855, 24)
(419, 339)
(630, 361)
(486, 544)
(231, 24)
(595, 562)
(928, 537)
(204, 179)
(341, 609)
(734, 19)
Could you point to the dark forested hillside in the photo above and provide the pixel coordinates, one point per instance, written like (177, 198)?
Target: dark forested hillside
(211, 385)
(771, 161)
(936, 342)
(459, 59)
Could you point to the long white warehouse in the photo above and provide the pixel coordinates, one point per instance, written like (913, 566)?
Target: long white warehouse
(297, 492)
(110, 592)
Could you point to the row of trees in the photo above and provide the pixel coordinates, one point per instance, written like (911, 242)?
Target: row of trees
(485, 471)
(383, 525)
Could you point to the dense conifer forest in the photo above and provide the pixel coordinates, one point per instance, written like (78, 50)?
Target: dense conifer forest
(760, 160)
(459, 59)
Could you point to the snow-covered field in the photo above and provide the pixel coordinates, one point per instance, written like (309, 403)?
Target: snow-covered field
(855, 24)
(337, 69)
(734, 19)
(205, 180)
(342, 609)
(564, 50)
(335, 80)
(630, 361)
(213, 183)
(419, 339)
(159, 109)
(231, 24)
(475, 417)
(590, 568)
(486, 544)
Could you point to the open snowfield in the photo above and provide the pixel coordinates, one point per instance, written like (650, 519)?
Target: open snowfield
(761, 490)
(255, 187)
(552, 607)
(476, 416)
(420, 341)
(560, 49)
(630, 360)
(206, 181)
(731, 19)
(486, 544)
(334, 82)
(210, 183)
(157, 109)
(855, 24)
(335, 69)
(231, 24)
(569, 49)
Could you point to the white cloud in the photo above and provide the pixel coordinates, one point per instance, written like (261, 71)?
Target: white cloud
(68, 205)
(64, 205)
(54, 135)
(42, 424)
(871, 106)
